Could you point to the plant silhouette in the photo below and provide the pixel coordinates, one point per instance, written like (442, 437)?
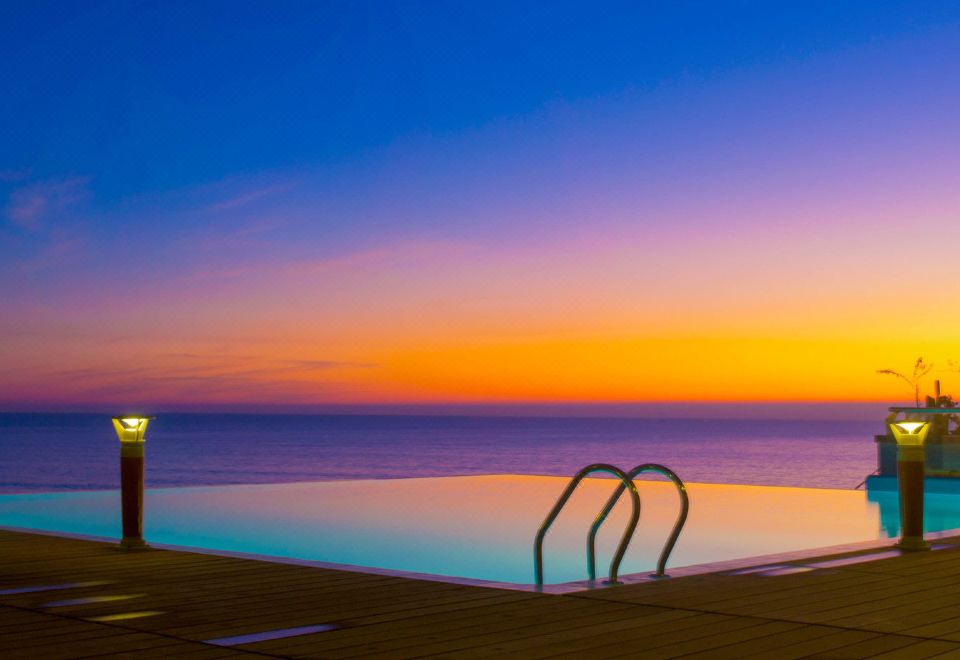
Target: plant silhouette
(920, 369)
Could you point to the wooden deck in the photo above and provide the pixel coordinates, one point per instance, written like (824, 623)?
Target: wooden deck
(165, 604)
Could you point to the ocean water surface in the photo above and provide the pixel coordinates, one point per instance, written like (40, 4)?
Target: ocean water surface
(57, 452)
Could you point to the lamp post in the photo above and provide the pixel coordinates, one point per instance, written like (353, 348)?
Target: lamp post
(911, 456)
(130, 430)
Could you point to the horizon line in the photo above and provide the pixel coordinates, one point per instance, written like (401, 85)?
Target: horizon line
(787, 409)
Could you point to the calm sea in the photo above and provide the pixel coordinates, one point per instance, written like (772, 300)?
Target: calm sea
(79, 452)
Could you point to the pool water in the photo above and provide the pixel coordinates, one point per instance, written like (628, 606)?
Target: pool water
(479, 527)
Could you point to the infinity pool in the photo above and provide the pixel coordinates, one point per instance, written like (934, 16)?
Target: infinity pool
(478, 527)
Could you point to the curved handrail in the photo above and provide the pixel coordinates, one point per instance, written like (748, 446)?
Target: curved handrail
(677, 527)
(625, 482)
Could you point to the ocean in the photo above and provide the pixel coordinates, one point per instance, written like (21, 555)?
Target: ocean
(57, 452)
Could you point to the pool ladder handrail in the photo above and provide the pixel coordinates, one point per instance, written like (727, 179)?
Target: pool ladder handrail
(677, 526)
(625, 483)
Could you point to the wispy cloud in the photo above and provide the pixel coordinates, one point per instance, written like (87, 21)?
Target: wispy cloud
(57, 248)
(191, 366)
(244, 198)
(402, 251)
(211, 360)
(253, 234)
(32, 206)
(212, 376)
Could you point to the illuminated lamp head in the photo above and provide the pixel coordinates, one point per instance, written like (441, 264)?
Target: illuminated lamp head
(131, 428)
(909, 432)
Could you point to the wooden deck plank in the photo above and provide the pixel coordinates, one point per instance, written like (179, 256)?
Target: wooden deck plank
(903, 617)
(182, 651)
(529, 644)
(824, 646)
(459, 625)
(649, 640)
(928, 648)
(712, 643)
(486, 632)
(870, 606)
(786, 639)
(110, 642)
(729, 591)
(201, 599)
(871, 647)
(588, 639)
(206, 623)
(940, 628)
(193, 626)
(812, 602)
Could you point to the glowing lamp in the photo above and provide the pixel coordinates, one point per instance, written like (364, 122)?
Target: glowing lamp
(130, 428)
(910, 432)
(911, 472)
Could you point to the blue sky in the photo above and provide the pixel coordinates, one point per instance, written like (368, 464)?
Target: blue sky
(150, 97)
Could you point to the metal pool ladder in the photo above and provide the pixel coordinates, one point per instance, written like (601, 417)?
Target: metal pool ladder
(625, 483)
(677, 526)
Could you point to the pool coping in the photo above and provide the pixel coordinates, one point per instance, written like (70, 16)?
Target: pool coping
(726, 566)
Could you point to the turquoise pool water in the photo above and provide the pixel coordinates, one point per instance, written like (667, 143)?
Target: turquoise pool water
(479, 527)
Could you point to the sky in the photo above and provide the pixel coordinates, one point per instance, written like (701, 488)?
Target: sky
(299, 206)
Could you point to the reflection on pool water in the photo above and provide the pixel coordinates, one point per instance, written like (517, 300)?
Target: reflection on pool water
(479, 527)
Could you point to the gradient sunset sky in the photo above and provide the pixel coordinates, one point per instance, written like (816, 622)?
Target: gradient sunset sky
(288, 205)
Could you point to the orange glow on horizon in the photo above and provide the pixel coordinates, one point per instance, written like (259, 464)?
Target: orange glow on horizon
(582, 370)
(431, 326)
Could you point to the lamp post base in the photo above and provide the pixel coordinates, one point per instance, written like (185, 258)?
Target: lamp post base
(133, 544)
(912, 544)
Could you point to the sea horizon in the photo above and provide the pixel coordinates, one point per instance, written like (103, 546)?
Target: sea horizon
(77, 451)
(769, 410)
